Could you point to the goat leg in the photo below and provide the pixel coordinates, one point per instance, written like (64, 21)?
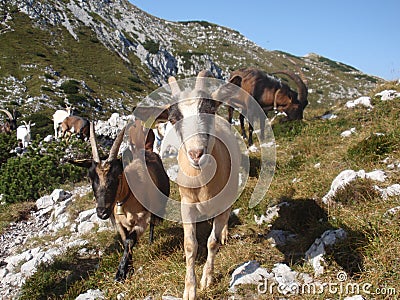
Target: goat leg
(151, 234)
(126, 259)
(241, 119)
(230, 114)
(250, 134)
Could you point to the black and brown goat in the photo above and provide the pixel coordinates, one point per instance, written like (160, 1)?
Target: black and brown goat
(75, 125)
(115, 199)
(10, 124)
(269, 92)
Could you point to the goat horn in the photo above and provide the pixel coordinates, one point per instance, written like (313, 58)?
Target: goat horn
(175, 90)
(8, 114)
(301, 87)
(200, 82)
(93, 143)
(116, 145)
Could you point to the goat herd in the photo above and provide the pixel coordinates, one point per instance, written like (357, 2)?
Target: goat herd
(63, 119)
(124, 193)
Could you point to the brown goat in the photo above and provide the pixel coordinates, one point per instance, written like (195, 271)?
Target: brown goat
(269, 92)
(10, 124)
(75, 124)
(114, 198)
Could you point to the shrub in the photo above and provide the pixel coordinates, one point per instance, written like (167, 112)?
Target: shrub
(70, 87)
(43, 124)
(7, 142)
(151, 46)
(77, 100)
(46, 89)
(39, 171)
(48, 76)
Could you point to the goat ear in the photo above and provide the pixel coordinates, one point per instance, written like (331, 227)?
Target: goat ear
(150, 115)
(236, 80)
(84, 163)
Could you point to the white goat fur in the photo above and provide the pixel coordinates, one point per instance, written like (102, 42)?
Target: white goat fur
(225, 172)
(24, 133)
(59, 116)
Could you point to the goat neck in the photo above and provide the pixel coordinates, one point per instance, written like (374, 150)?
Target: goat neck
(301, 87)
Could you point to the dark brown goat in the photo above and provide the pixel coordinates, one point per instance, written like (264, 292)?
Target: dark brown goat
(270, 93)
(75, 124)
(10, 124)
(114, 198)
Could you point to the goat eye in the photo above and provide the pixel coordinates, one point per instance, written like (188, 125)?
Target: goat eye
(172, 120)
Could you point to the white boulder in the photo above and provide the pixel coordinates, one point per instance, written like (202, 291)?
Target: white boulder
(315, 254)
(347, 176)
(388, 95)
(362, 101)
(91, 295)
(248, 273)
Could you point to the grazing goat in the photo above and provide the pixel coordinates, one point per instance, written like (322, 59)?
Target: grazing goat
(59, 116)
(75, 124)
(200, 132)
(114, 198)
(24, 133)
(10, 124)
(270, 93)
(159, 133)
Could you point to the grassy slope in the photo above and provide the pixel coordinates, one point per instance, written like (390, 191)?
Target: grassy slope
(368, 255)
(85, 60)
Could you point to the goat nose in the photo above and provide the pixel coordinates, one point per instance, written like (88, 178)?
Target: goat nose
(102, 213)
(196, 154)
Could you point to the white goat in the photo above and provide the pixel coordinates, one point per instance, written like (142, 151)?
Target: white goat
(59, 116)
(160, 132)
(24, 133)
(209, 160)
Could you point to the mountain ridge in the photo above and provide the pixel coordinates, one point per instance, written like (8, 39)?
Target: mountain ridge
(119, 53)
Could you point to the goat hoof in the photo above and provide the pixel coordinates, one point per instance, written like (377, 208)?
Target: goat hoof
(120, 277)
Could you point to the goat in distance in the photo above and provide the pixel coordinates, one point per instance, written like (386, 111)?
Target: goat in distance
(10, 124)
(75, 125)
(24, 133)
(269, 92)
(59, 116)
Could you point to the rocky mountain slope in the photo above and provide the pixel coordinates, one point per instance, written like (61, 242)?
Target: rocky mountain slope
(105, 55)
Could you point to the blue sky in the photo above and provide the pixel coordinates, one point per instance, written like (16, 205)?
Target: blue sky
(362, 33)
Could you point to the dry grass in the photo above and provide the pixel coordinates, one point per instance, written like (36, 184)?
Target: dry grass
(20, 211)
